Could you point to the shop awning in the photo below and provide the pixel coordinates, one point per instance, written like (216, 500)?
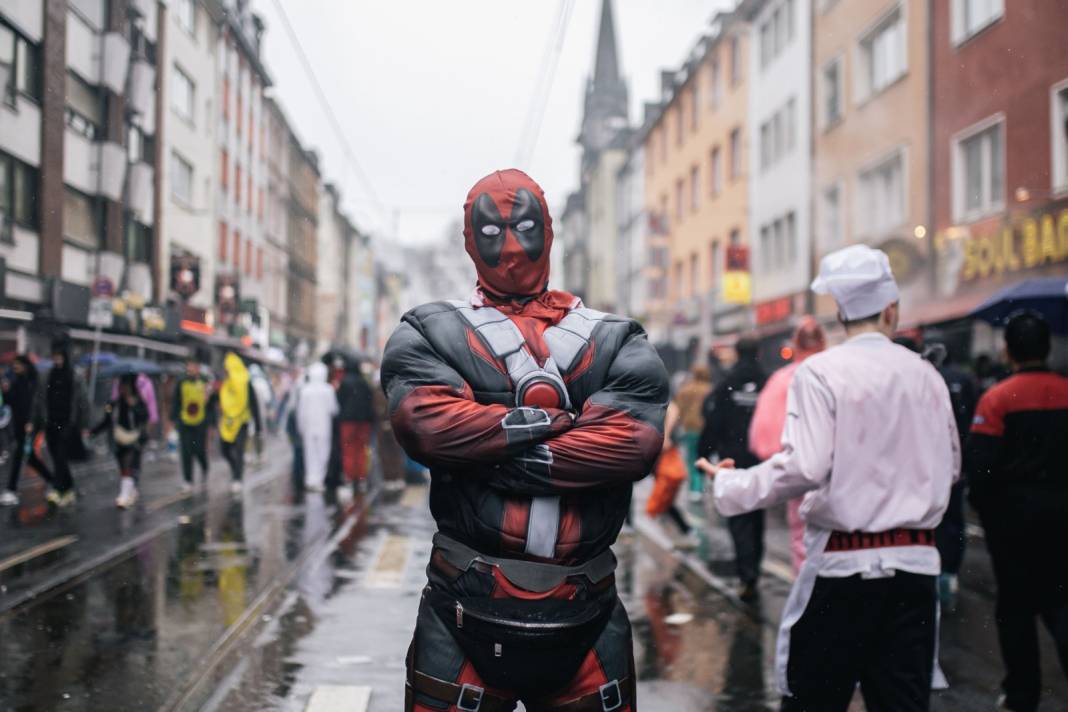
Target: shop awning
(137, 342)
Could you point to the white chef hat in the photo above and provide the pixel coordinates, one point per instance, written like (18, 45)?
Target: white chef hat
(859, 279)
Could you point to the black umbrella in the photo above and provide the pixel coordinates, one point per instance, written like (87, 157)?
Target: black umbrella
(1046, 295)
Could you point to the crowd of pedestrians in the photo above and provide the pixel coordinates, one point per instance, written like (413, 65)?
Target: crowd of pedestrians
(47, 418)
(874, 453)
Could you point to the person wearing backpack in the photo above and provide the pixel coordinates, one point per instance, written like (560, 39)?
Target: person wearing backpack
(189, 413)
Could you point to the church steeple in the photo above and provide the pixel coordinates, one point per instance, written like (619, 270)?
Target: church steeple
(605, 115)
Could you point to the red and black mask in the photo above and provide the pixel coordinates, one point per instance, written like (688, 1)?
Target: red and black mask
(508, 233)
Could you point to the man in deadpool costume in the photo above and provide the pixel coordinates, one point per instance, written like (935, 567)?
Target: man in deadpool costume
(535, 416)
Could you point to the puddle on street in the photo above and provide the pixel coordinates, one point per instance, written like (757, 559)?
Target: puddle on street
(128, 635)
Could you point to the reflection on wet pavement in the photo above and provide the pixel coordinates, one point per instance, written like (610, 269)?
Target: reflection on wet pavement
(126, 637)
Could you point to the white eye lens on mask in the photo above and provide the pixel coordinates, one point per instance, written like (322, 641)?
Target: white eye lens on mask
(491, 230)
(524, 225)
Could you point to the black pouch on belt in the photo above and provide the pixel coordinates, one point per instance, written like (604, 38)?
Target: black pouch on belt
(530, 647)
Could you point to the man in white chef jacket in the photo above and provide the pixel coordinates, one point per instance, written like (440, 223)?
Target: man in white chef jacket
(871, 442)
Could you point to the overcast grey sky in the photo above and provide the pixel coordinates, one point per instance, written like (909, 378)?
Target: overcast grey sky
(433, 95)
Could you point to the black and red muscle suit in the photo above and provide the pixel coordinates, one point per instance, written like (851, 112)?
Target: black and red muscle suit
(535, 416)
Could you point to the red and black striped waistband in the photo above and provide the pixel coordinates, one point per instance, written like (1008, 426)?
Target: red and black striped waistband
(855, 541)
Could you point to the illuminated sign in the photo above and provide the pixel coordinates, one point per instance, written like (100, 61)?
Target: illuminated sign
(774, 310)
(737, 283)
(1028, 243)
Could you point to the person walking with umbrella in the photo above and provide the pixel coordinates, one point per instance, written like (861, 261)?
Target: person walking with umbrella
(127, 419)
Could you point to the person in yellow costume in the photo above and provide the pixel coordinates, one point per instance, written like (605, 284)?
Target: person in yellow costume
(237, 405)
(192, 419)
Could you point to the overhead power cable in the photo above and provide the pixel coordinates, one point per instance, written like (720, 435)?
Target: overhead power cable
(528, 139)
(350, 154)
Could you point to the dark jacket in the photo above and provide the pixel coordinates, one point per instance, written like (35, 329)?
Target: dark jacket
(130, 417)
(61, 401)
(20, 396)
(963, 394)
(728, 411)
(451, 403)
(354, 399)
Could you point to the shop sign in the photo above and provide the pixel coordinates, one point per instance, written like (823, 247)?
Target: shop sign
(775, 310)
(185, 274)
(100, 316)
(737, 283)
(1026, 244)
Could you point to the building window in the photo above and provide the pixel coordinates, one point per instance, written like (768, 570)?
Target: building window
(714, 262)
(225, 102)
(832, 92)
(714, 87)
(695, 188)
(248, 258)
(736, 237)
(85, 108)
(831, 216)
(679, 121)
(695, 105)
(259, 263)
(1060, 137)
(224, 169)
(776, 32)
(224, 234)
(979, 173)
(20, 68)
(183, 92)
(736, 154)
(139, 147)
(736, 58)
(237, 185)
(778, 243)
(181, 179)
(237, 249)
(138, 246)
(971, 16)
(778, 135)
(18, 194)
(715, 177)
(881, 196)
(882, 56)
(679, 199)
(81, 219)
(186, 12)
(695, 275)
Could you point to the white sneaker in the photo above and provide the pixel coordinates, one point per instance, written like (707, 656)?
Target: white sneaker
(127, 494)
(313, 488)
(235, 487)
(185, 488)
(8, 499)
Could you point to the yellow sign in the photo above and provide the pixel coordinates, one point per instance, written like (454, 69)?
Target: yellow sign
(737, 287)
(1031, 242)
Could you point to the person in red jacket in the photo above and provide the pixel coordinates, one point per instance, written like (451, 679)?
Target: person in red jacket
(535, 415)
(1018, 483)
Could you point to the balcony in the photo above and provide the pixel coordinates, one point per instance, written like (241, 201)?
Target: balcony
(141, 96)
(116, 65)
(112, 170)
(139, 192)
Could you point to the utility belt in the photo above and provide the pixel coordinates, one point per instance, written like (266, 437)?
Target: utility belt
(532, 645)
(857, 541)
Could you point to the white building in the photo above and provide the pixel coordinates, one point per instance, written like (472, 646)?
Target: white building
(188, 125)
(780, 158)
(632, 220)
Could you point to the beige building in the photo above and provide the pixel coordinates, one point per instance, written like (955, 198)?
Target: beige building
(696, 189)
(870, 129)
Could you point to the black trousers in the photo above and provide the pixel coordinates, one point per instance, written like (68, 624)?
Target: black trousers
(878, 633)
(59, 439)
(747, 533)
(1031, 587)
(234, 453)
(193, 444)
(18, 446)
(949, 536)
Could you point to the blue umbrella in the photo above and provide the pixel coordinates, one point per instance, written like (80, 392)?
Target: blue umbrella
(1046, 295)
(125, 366)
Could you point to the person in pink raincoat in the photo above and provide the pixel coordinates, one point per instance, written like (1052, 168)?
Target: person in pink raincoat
(765, 430)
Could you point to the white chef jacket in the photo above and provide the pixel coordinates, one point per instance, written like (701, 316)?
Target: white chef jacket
(871, 442)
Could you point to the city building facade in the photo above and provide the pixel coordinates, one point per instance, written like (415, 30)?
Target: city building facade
(696, 188)
(1000, 151)
(780, 162)
(871, 137)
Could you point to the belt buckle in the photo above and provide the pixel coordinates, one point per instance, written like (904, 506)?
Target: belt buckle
(470, 699)
(611, 697)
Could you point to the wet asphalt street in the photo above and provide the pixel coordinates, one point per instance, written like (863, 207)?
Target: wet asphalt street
(276, 601)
